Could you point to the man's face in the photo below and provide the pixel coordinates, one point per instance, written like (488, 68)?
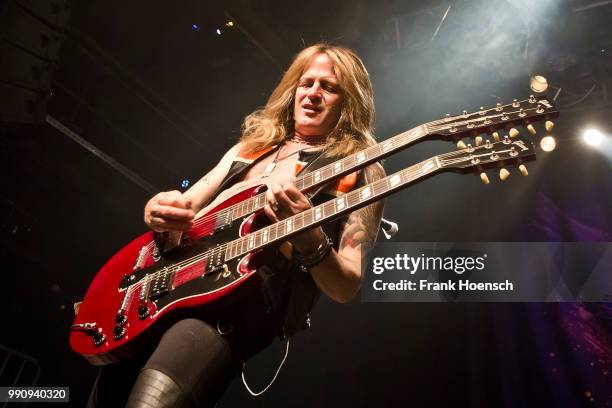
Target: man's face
(318, 99)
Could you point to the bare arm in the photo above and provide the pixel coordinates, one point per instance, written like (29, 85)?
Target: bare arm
(174, 211)
(339, 275)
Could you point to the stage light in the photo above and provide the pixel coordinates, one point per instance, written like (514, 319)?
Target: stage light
(592, 137)
(218, 31)
(538, 83)
(195, 27)
(230, 23)
(185, 183)
(548, 143)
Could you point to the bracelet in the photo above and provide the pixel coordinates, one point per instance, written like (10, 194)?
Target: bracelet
(307, 262)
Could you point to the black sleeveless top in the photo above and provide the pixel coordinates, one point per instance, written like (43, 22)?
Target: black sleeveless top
(288, 293)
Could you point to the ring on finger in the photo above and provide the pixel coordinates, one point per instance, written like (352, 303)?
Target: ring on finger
(274, 206)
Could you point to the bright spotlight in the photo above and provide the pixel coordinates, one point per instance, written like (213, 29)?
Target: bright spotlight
(592, 137)
(538, 83)
(548, 143)
(218, 31)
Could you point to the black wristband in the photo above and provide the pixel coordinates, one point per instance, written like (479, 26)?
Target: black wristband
(307, 262)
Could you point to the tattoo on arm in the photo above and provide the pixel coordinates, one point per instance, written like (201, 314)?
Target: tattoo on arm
(362, 225)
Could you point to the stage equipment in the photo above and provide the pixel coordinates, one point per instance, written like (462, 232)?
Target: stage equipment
(32, 32)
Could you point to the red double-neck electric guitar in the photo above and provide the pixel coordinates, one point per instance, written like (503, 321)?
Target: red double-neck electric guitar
(139, 287)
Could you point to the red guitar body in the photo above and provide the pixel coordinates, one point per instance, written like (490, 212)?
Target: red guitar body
(115, 313)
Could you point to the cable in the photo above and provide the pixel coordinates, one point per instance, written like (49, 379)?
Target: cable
(255, 394)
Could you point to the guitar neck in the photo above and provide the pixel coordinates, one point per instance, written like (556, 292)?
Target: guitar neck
(338, 168)
(332, 209)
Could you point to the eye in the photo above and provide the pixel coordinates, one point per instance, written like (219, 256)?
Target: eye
(330, 88)
(306, 83)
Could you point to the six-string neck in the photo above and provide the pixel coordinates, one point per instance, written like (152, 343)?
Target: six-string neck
(330, 209)
(336, 169)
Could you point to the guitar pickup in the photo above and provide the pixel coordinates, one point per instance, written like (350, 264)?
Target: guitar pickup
(160, 284)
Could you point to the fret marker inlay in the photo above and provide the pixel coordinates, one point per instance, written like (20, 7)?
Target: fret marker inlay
(365, 193)
(361, 157)
(394, 180)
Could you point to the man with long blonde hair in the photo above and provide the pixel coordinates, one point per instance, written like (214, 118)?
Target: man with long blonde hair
(321, 110)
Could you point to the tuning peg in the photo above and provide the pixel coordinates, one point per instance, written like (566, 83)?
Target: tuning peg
(461, 145)
(523, 170)
(503, 174)
(549, 125)
(478, 140)
(513, 132)
(484, 178)
(495, 136)
(531, 129)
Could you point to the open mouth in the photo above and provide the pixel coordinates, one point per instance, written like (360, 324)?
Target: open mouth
(311, 108)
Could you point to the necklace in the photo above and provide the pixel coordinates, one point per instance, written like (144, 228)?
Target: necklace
(271, 166)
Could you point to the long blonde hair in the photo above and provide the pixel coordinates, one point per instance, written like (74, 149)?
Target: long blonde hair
(271, 124)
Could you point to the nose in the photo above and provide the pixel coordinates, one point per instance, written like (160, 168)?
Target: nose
(314, 92)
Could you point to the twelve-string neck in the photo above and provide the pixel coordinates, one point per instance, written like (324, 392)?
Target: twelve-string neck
(336, 169)
(330, 209)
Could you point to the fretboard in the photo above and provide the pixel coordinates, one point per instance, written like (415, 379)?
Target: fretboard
(337, 169)
(330, 209)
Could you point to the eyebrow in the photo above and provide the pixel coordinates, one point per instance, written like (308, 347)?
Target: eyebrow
(326, 78)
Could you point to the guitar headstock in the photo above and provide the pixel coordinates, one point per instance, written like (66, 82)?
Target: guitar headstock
(518, 113)
(508, 151)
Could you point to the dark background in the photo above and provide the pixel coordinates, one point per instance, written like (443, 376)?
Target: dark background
(165, 99)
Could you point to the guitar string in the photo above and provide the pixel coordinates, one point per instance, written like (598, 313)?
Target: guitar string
(212, 218)
(408, 174)
(257, 198)
(224, 247)
(179, 269)
(238, 242)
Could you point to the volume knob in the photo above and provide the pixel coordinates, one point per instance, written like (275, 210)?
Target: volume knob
(98, 338)
(118, 332)
(143, 312)
(120, 319)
